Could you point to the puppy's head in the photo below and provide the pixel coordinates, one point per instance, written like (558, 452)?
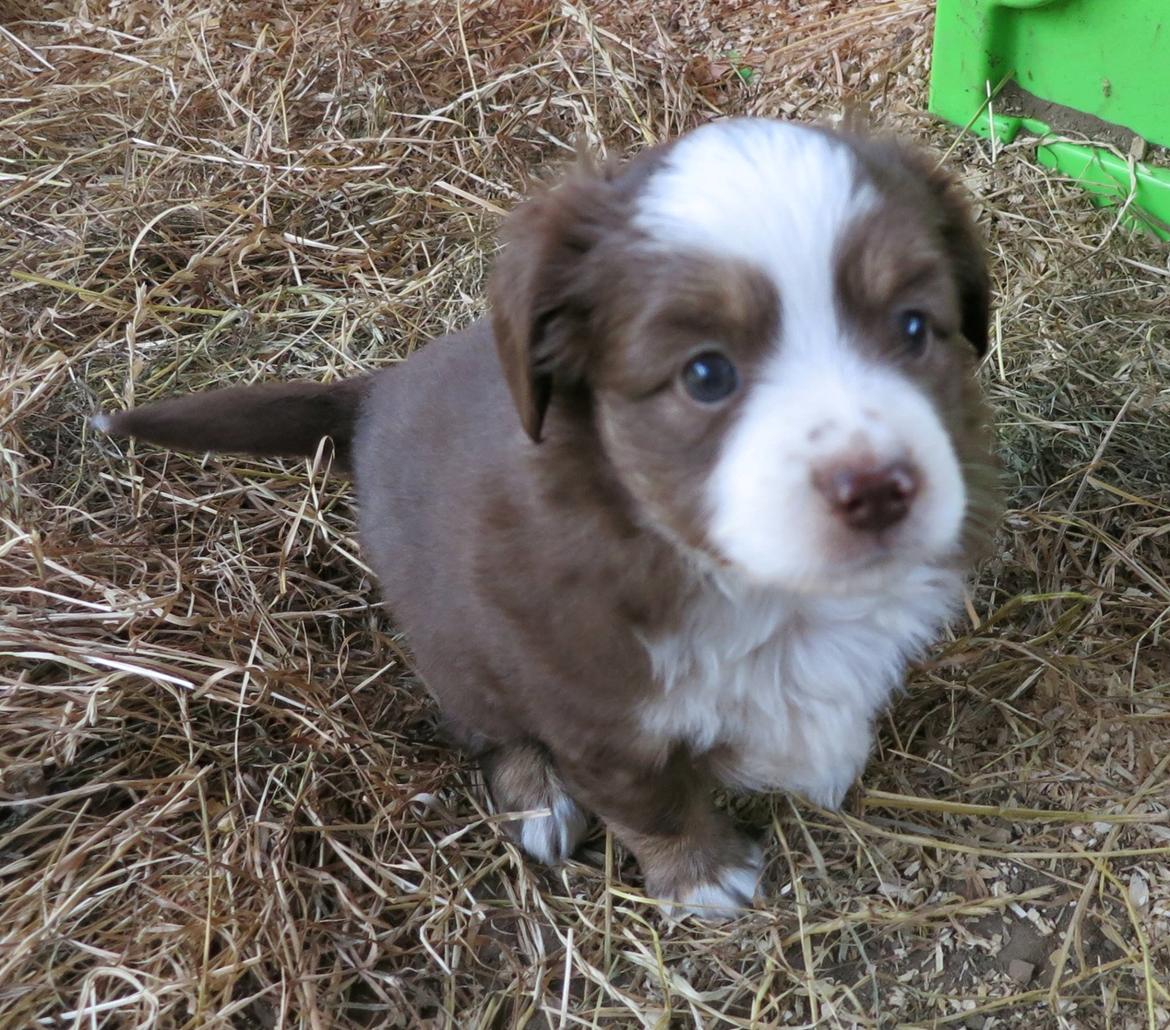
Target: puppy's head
(776, 329)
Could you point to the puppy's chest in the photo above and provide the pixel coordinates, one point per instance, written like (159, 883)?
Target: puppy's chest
(782, 692)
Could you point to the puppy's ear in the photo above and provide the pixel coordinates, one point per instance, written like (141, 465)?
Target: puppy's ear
(963, 244)
(889, 160)
(542, 289)
(967, 251)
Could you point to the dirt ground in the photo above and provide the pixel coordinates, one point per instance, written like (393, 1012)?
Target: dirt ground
(224, 801)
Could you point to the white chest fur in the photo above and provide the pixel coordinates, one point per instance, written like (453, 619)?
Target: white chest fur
(786, 686)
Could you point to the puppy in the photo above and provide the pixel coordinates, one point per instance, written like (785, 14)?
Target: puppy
(678, 514)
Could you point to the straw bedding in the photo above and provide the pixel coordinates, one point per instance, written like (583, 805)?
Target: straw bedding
(224, 802)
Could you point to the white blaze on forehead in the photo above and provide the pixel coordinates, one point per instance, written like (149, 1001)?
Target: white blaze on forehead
(777, 194)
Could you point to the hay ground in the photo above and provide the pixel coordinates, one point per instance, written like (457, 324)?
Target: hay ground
(223, 801)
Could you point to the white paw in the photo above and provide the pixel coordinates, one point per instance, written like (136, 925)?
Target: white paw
(554, 837)
(827, 784)
(829, 796)
(724, 896)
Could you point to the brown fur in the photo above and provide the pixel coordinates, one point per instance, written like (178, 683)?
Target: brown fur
(279, 419)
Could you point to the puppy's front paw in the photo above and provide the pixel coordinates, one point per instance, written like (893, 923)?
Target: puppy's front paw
(521, 778)
(554, 837)
(708, 888)
(729, 891)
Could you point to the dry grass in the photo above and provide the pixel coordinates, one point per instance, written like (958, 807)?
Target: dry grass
(222, 804)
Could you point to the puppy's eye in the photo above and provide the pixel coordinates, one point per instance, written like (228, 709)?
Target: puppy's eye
(709, 377)
(915, 328)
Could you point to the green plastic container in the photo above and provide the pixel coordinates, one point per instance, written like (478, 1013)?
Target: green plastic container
(1087, 69)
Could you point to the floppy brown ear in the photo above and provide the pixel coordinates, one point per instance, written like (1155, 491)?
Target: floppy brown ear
(890, 159)
(967, 251)
(964, 246)
(542, 288)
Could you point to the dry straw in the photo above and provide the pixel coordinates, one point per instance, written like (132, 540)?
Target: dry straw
(223, 800)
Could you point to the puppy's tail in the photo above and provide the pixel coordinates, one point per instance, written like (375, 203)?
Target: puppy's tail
(270, 419)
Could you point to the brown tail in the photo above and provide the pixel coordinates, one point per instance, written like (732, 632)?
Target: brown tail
(277, 419)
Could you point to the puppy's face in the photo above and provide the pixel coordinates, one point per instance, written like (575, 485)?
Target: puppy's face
(777, 328)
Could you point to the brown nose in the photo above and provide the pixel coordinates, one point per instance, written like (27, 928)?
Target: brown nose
(869, 497)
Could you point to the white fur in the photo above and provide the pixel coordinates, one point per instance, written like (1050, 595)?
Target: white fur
(100, 422)
(726, 895)
(791, 683)
(554, 837)
(776, 194)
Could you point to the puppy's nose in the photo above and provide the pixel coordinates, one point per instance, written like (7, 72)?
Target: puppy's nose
(867, 496)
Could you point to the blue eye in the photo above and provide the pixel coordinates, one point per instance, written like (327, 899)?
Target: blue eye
(709, 377)
(916, 329)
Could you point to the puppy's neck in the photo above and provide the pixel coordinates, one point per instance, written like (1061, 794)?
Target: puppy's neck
(781, 688)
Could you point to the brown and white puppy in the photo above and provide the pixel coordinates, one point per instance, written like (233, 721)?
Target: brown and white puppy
(750, 469)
